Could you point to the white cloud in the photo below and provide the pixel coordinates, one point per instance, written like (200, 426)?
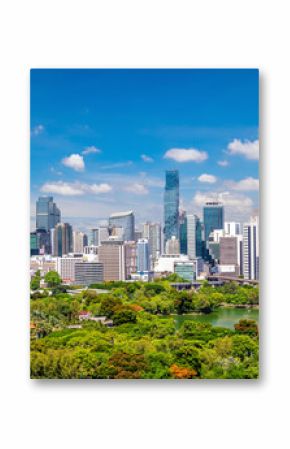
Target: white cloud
(137, 189)
(38, 129)
(223, 163)
(249, 149)
(244, 184)
(186, 155)
(62, 188)
(75, 189)
(90, 150)
(74, 161)
(99, 188)
(146, 158)
(237, 206)
(211, 179)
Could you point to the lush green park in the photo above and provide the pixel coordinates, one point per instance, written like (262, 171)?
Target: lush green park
(144, 341)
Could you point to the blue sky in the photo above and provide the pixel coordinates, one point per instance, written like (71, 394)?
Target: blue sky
(102, 139)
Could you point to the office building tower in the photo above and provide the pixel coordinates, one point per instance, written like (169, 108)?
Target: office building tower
(232, 228)
(63, 239)
(130, 249)
(143, 255)
(80, 240)
(171, 205)
(213, 218)
(87, 273)
(152, 232)
(194, 236)
(228, 251)
(34, 246)
(65, 266)
(116, 232)
(172, 246)
(125, 220)
(183, 232)
(47, 213)
(138, 235)
(251, 249)
(91, 250)
(112, 256)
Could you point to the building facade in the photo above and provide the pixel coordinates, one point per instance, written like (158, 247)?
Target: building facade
(125, 220)
(80, 240)
(63, 239)
(251, 249)
(65, 266)
(87, 273)
(112, 256)
(213, 218)
(171, 205)
(47, 213)
(143, 255)
(172, 246)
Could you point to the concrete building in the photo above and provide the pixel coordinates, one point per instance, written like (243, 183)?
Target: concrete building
(130, 259)
(112, 256)
(142, 255)
(91, 249)
(185, 270)
(87, 273)
(63, 239)
(152, 232)
(251, 249)
(65, 266)
(172, 246)
(80, 240)
(125, 220)
(165, 263)
(232, 228)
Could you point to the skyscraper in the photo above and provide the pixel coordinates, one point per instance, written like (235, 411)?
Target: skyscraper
(112, 256)
(63, 239)
(213, 218)
(152, 232)
(80, 240)
(171, 205)
(125, 220)
(183, 232)
(47, 213)
(251, 249)
(142, 255)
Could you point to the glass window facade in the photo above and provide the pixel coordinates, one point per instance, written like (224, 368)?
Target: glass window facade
(47, 213)
(213, 218)
(171, 205)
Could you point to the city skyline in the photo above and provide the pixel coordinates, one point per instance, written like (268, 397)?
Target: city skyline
(98, 148)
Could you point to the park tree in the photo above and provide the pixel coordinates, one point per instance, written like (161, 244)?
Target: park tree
(52, 278)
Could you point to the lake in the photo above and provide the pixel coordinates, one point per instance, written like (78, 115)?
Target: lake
(223, 317)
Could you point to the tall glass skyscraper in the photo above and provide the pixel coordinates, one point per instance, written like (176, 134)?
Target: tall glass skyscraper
(47, 213)
(213, 218)
(62, 239)
(125, 220)
(171, 205)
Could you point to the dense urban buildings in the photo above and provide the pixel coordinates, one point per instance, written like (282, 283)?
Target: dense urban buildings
(118, 250)
(171, 205)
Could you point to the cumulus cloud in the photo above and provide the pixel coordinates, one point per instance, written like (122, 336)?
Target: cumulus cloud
(75, 189)
(90, 150)
(74, 161)
(223, 163)
(186, 155)
(237, 206)
(146, 158)
(137, 189)
(249, 149)
(38, 129)
(244, 184)
(211, 179)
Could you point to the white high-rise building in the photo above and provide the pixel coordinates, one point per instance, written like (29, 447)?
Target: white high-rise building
(232, 228)
(142, 255)
(65, 266)
(251, 249)
(172, 246)
(152, 232)
(80, 240)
